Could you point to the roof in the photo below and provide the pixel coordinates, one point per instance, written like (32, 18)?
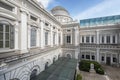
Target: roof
(100, 21)
(63, 69)
(59, 8)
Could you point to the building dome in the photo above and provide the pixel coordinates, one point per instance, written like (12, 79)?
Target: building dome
(61, 14)
(58, 10)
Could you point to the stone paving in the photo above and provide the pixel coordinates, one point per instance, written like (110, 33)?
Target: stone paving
(112, 72)
(92, 76)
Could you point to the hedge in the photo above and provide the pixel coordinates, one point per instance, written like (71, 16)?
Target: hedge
(84, 65)
(79, 77)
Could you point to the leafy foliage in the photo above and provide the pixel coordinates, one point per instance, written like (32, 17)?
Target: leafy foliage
(84, 65)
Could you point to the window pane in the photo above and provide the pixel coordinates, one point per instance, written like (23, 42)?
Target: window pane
(7, 44)
(1, 28)
(1, 44)
(87, 39)
(33, 37)
(7, 28)
(1, 36)
(7, 36)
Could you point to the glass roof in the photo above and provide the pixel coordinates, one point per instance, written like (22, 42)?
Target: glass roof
(63, 69)
(100, 21)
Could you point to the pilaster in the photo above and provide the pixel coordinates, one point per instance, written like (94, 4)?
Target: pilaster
(42, 34)
(23, 32)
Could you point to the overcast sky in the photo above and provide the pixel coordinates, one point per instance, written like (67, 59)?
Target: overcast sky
(83, 9)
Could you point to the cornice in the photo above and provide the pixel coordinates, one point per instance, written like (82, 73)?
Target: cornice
(44, 11)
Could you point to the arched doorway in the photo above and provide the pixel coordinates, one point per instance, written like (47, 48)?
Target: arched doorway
(33, 74)
(68, 56)
(46, 65)
(54, 59)
(59, 56)
(15, 79)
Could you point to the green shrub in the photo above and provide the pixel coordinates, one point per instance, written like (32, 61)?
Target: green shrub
(84, 65)
(100, 71)
(79, 77)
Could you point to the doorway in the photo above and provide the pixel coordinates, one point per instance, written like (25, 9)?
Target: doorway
(108, 61)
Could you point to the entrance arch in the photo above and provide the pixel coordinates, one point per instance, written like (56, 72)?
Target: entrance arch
(46, 65)
(68, 56)
(33, 74)
(15, 79)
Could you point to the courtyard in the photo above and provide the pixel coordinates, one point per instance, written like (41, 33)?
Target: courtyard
(112, 72)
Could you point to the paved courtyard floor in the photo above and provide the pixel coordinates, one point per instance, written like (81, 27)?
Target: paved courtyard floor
(92, 76)
(112, 72)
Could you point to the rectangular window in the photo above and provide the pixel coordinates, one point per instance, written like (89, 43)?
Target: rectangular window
(102, 58)
(6, 6)
(4, 36)
(114, 59)
(53, 38)
(83, 56)
(102, 39)
(87, 39)
(114, 39)
(33, 36)
(82, 39)
(59, 39)
(108, 39)
(46, 24)
(46, 38)
(33, 18)
(68, 39)
(87, 56)
(93, 57)
(92, 39)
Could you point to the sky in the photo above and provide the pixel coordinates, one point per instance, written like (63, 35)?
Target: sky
(84, 9)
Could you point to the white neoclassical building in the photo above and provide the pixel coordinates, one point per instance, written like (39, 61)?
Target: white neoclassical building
(32, 38)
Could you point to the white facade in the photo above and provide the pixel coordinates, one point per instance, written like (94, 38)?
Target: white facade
(30, 37)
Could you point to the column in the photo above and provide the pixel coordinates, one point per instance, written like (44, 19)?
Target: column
(97, 37)
(105, 40)
(98, 50)
(94, 39)
(111, 59)
(90, 56)
(90, 38)
(105, 58)
(111, 39)
(76, 36)
(57, 38)
(29, 37)
(51, 34)
(42, 34)
(61, 38)
(23, 32)
(38, 37)
(116, 38)
(85, 39)
(16, 35)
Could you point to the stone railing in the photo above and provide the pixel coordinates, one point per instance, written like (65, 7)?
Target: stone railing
(102, 46)
(3, 66)
(23, 57)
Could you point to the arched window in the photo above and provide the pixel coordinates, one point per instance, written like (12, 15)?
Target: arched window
(68, 56)
(54, 59)
(6, 35)
(33, 36)
(46, 65)
(33, 74)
